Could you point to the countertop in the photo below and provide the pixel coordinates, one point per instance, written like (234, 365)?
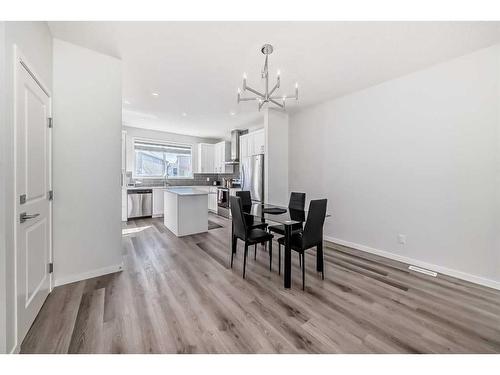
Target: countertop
(139, 187)
(186, 191)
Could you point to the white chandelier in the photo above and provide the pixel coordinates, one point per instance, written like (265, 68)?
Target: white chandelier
(267, 96)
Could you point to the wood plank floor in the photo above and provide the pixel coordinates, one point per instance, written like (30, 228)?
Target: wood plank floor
(178, 295)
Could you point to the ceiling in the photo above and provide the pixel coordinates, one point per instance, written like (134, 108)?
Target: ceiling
(196, 67)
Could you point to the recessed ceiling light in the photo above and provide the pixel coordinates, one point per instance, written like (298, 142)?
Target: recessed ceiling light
(232, 113)
(184, 114)
(155, 94)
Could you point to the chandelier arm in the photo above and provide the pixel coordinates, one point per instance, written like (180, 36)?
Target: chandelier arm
(273, 89)
(283, 96)
(255, 92)
(248, 99)
(275, 102)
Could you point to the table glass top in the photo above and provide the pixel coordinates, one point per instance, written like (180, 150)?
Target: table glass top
(289, 217)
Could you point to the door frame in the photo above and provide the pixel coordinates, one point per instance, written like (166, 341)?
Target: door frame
(21, 62)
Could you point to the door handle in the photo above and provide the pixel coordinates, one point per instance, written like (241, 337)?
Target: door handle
(24, 216)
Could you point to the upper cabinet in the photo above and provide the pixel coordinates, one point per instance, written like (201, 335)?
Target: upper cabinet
(222, 154)
(259, 142)
(243, 146)
(253, 143)
(206, 158)
(212, 158)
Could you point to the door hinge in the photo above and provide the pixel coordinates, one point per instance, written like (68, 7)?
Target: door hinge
(49, 122)
(51, 267)
(50, 195)
(22, 199)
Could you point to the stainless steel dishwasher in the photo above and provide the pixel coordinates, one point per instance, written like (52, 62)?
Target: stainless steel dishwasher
(140, 203)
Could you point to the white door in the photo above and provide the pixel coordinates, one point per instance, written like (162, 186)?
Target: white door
(33, 208)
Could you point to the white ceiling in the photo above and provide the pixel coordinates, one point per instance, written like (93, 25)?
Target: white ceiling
(196, 67)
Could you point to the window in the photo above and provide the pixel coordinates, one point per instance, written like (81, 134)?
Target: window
(162, 160)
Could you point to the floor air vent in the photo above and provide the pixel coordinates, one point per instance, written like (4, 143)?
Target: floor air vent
(423, 270)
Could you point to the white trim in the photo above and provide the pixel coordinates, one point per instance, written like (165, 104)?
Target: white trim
(165, 143)
(410, 261)
(88, 275)
(16, 349)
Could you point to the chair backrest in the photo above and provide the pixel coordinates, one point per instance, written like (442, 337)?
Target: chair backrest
(239, 224)
(246, 199)
(313, 230)
(297, 201)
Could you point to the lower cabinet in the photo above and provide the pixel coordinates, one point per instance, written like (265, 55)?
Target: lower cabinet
(158, 202)
(212, 199)
(124, 204)
(158, 194)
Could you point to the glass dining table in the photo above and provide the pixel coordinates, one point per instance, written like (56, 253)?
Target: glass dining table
(290, 219)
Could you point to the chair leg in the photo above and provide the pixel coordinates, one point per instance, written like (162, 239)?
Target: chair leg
(270, 255)
(245, 259)
(279, 258)
(303, 272)
(233, 249)
(320, 260)
(255, 253)
(300, 261)
(323, 268)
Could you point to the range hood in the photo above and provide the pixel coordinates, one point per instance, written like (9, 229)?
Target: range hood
(235, 147)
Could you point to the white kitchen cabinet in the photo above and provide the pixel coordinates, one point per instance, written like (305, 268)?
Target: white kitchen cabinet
(243, 147)
(259, 142)
(206, 158)
(158, 202)
(222, 154)
(124, 177)
(124, 204)
(217, 158)
(253, 143)
(212, 199)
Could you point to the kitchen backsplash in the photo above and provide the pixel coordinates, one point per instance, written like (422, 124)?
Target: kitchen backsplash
(198, 179)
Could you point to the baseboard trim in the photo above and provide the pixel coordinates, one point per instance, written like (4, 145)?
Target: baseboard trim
(88, 275)
(16, 349)
(410, 261)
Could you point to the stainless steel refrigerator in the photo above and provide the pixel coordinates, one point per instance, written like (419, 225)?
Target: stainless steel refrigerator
(252, 176)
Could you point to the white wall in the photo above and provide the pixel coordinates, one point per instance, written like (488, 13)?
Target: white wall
(87, 113)
(3, 290)
(35, 42)
(161, 136)
(276, 161)
(419, 156)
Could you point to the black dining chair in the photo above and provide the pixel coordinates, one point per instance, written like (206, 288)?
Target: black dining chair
(296, 206)
(246, 203)
(311, 236)
(249, 235)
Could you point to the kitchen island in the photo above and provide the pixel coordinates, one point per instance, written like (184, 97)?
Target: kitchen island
(185, 210)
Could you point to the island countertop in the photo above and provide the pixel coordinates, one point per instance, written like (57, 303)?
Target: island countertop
(185, 191)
